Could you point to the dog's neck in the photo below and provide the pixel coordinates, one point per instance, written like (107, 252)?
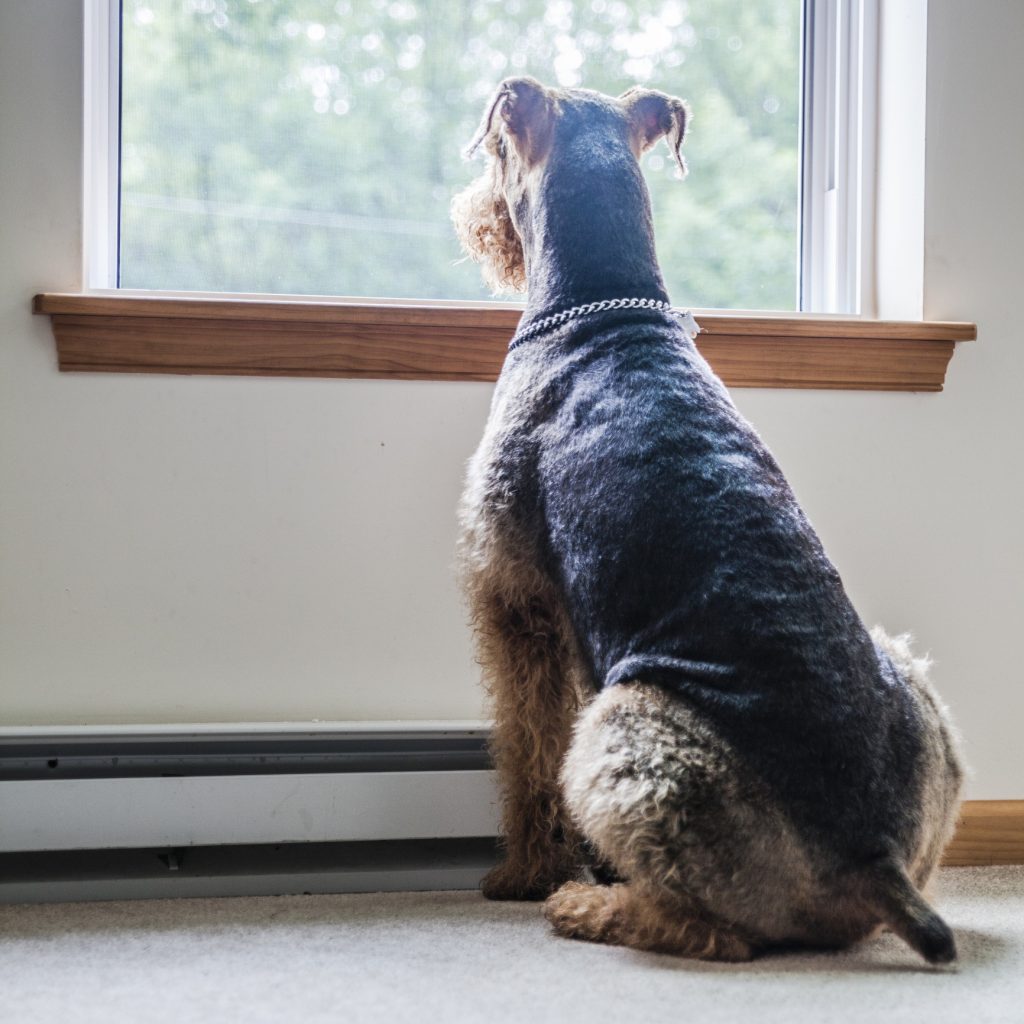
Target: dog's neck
(588, 235)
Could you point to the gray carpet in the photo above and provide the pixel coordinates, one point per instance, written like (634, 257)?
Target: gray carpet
(453, 957)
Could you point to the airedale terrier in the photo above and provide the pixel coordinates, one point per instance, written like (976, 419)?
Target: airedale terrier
(679, 680)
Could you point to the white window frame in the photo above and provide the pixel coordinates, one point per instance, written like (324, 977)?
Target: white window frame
(102, 143)
(836, 258)
(839, 129)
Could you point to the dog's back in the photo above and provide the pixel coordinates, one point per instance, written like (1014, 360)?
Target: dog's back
(687, 562)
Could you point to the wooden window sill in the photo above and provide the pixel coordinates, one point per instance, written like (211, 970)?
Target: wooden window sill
(293, 338)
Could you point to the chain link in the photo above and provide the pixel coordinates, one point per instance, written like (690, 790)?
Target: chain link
(557, 319)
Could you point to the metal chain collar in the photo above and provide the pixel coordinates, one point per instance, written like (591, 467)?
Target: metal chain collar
(557, 319)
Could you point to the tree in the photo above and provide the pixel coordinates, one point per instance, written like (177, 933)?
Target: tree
(313, 146)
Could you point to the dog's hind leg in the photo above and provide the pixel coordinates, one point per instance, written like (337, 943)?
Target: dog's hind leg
(712, 869)
(527, 652)
(623, 915)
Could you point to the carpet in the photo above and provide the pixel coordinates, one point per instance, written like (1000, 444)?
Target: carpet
(453, 957)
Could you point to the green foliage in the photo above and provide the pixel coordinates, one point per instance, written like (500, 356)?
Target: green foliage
(312, 146)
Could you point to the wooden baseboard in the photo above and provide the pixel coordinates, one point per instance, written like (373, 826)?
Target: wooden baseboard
(989, 832)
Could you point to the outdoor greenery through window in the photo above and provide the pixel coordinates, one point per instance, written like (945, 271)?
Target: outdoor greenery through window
(313, 146)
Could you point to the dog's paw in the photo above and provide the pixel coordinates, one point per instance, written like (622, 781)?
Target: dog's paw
(580, 911)
(510, 881)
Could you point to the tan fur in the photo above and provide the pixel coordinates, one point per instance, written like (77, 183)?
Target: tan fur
(623, 915)
(484, 226)
(654, 115)
(668, 804)
(531, 667)
(529, 112)
(527, 664)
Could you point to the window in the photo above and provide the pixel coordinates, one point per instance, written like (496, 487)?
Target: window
(230, 161)
(312, 146)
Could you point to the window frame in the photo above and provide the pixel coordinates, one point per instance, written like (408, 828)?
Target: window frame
(838, 45)
(109, 329)
(838, 157)
(101, 151)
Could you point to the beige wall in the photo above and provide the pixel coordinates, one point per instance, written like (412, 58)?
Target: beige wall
(179, 549)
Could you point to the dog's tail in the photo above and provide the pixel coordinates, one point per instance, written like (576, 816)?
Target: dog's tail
(897, 902)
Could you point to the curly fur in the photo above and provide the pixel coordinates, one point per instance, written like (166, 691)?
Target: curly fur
(485, 230)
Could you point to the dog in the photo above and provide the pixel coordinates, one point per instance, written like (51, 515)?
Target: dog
(682, 690)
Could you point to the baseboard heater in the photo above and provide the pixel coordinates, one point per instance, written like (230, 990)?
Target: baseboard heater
(96, 814)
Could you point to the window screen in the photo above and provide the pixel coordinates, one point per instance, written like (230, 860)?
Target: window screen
(313, 146)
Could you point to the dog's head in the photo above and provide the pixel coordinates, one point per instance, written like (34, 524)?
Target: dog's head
(527, 132)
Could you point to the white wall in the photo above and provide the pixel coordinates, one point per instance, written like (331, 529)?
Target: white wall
(202, 549)
(190, 549)
(919, 498)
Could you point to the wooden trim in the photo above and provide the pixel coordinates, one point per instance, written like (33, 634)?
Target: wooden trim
(271, 337)
(989, 832)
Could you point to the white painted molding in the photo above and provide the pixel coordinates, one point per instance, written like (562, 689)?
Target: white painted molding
(237, 729)
(902, 117)
(838, 133)
(77, 814)
(101, 141)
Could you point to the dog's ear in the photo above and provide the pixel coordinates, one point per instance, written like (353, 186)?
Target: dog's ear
(526, 111)
(653, 114)
(520, 114)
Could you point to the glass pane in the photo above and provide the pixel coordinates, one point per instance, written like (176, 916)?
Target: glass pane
(312, 146)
